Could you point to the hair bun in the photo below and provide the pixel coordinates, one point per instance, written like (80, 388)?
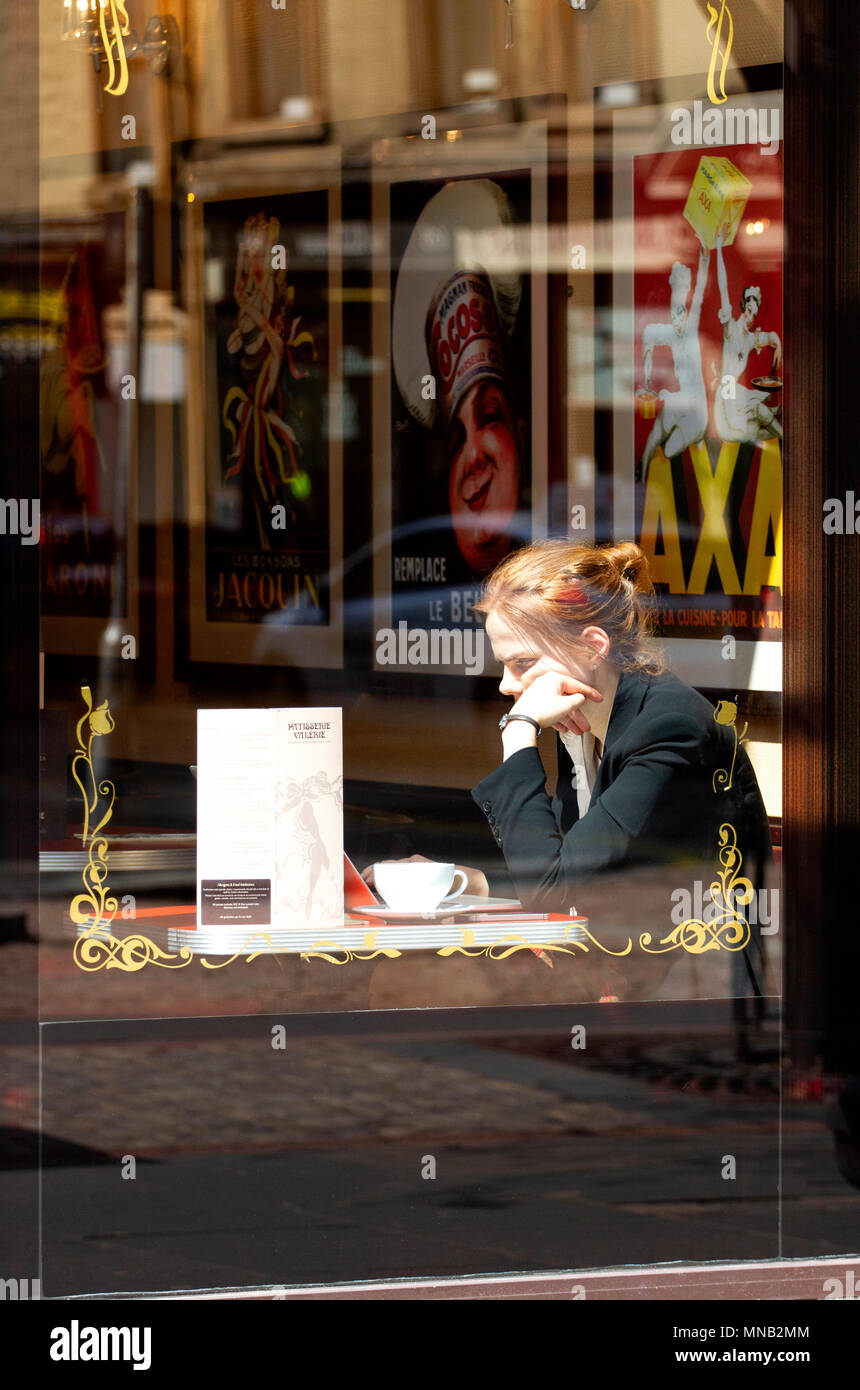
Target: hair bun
(630, 562)
(551, 590)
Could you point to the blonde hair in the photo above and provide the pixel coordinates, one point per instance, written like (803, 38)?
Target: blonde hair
(552, 590)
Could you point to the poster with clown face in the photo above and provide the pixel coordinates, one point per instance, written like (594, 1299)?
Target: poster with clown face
(461, 391)
(707, 465)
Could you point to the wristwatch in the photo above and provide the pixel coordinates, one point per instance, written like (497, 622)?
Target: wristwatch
(506, 719)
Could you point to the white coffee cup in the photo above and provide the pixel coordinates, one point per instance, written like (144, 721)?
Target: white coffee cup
(417, 887)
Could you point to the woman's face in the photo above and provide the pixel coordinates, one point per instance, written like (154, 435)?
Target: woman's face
(750, 311)
(484, 475)
(517, 653)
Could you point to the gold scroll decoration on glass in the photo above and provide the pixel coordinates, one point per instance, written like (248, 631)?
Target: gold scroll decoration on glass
(728, 929)
(721, 45)
(94, 906)
(726, 713)
(112, 33)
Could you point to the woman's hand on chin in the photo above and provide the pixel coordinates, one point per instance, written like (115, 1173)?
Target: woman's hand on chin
(476, 879)
(554, 698)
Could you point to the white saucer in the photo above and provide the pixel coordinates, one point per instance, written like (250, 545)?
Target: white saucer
(466, 902)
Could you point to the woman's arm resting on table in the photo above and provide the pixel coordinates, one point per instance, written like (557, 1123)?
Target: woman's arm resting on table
(657, 782)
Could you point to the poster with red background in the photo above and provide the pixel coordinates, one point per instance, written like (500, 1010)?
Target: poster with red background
(709, 514)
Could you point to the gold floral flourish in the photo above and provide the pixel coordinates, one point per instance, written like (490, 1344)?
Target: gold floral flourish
(101, 908)
(509, 945)
(112, 35)
(257, 936)
(132, 953)
(726, 713)
(129, 953)
(717, 94)
(371, 951)
(729, 929)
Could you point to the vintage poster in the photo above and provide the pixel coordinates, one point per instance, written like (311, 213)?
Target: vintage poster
(708, 369)
(268, 457)
(83, 436)
(467, 453)
(267, 520)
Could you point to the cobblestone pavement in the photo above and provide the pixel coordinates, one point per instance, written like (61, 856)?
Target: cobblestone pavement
(209, 1092)
(151, 1099)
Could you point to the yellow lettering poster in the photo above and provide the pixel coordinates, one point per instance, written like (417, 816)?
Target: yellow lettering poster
(708, 369)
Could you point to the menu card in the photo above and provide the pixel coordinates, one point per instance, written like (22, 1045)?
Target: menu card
(269, 818)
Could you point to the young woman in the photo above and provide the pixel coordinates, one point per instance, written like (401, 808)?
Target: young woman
(648, 770)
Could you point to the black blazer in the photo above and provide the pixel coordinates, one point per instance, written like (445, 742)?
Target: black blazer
(653, 801)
